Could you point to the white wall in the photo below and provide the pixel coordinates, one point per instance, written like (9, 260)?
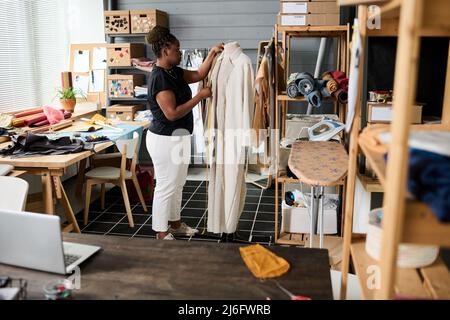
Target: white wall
(85, 21)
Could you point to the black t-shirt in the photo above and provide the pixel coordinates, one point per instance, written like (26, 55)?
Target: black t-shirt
(160, 80)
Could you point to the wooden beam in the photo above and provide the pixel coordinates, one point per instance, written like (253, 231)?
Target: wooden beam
(407, 62)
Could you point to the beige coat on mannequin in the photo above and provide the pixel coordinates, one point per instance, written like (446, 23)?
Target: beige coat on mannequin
(231, 113)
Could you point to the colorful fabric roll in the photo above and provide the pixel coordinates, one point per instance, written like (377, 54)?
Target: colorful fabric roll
(36, 119)
(305, 83)
(327, 76)
(332, 86)
(341, 96)
(66, 79)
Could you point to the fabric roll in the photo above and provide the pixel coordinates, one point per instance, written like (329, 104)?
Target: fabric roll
(332, 86)
(36, 119)
(66, 79)
(305, 83)
(341, 96)
(315, 99)
(292, 90)
(327, 76)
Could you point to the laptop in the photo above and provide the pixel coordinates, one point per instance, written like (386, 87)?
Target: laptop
(34, 241)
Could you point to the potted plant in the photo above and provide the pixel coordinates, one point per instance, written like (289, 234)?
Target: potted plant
(67, 97)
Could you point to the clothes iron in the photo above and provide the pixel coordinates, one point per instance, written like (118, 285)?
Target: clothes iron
(325, 130)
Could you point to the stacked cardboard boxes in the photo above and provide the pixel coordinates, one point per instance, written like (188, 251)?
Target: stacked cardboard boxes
(308, 13)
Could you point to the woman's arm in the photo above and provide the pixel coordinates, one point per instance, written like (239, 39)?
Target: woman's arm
(167, 102)
(191, 76)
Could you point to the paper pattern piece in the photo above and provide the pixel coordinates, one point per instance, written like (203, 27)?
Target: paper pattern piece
(99, 58)
(81, 82)
(81, 61)
(97, 81)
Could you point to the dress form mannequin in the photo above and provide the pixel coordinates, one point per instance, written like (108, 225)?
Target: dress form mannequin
(231, 47)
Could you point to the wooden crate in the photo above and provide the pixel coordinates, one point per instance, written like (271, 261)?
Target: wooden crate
(117, 21)
(122, 112)
(122, 85)
(142, 21)
(120, 54)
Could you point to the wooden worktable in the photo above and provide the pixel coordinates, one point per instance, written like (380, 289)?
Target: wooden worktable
(52, 167)
(152, 269)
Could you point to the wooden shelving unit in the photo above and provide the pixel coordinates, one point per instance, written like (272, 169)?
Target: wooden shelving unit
(404, 220)
(341, 33)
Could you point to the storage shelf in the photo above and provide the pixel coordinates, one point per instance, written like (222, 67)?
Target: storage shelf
(285, 97)
(435, 283)
(126, 35)
(314, 31)
(370, 184)
(127, 99)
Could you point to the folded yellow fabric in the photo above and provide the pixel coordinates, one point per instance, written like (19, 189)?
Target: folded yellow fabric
(263, 263)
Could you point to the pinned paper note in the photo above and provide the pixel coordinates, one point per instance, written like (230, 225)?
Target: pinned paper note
(81, 83)
(99, 58)
(97, 81)
(81, 61)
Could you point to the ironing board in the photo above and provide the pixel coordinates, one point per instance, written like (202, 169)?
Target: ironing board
(320, 164)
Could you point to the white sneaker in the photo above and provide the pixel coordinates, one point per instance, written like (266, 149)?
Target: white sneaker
(169, 236)
(183, 230)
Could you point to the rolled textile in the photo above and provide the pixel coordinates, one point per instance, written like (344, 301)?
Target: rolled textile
(292, 90)
(343, 84)
(27, 112)
(341, 96)
(315, 98)
(66, 79)
(324, 92)
(327, 76)
(332, 86)
(40, 123)
(38, 118)
(305, 83)
(338, 75)
(67, 115)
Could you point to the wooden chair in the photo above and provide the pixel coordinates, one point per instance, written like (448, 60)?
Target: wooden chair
(14, 193)
(116, 176)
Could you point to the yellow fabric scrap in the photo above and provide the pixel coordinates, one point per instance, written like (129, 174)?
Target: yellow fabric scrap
(262, 262)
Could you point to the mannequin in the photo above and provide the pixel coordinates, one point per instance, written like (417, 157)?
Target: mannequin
(231, 112)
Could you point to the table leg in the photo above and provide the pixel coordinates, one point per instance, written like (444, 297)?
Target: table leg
(47, 192)
(321, 222)
(66, 204)
(311, 217)
(80, 177)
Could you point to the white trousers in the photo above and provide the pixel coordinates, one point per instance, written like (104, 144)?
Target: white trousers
(171, 157)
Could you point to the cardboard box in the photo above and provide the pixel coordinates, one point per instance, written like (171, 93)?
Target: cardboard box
(117, 21)
(142, 21)
(308, 19)
(306, 7)
(122, 85)
(297, 220)
(120, 54)
(382, 113)
(122, 112)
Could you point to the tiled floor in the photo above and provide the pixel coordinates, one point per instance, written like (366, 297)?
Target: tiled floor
(256, 224)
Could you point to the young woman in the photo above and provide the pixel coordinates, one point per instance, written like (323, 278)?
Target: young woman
(169, 135)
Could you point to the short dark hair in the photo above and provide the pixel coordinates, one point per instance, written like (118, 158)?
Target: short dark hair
(160, 38)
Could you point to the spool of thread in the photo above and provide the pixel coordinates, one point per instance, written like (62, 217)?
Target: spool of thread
(66, 79)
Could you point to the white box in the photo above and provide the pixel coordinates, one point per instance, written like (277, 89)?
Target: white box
(296, 220)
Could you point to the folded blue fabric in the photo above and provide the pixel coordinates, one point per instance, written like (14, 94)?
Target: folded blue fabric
(429, 181)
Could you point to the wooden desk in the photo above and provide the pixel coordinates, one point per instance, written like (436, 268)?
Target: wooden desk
(141, 268)
(51, 168)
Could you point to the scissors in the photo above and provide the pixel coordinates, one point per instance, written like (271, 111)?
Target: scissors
(292, 296)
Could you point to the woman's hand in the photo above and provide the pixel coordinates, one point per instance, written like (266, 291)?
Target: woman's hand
(205, 92)
(216, 49)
